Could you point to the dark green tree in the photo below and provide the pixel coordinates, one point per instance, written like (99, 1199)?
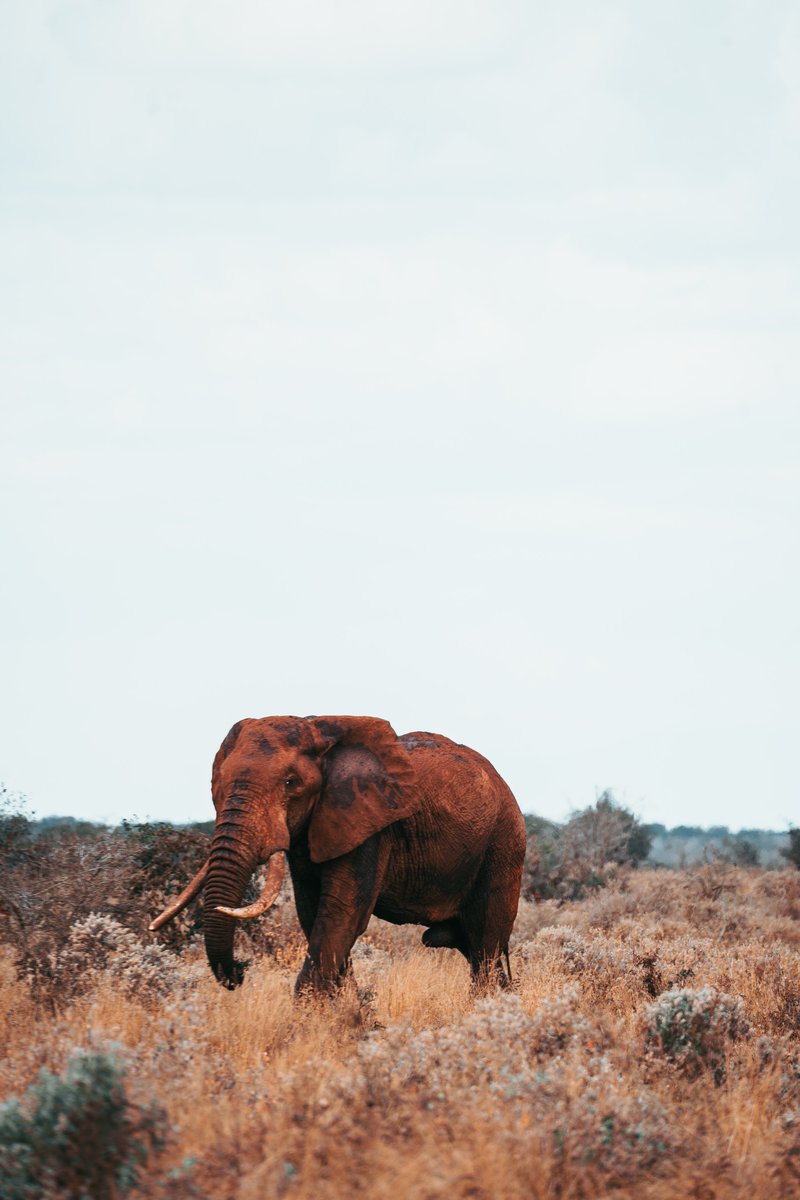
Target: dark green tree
(792, 852)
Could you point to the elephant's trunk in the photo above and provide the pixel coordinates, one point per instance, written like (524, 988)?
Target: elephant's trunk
(238, 846)
(230, 866)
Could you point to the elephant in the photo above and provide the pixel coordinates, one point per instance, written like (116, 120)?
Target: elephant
(413, 829)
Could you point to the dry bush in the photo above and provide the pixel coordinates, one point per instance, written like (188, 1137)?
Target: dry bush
(410, 1084)
(162, 860)
(99, 945)
(50, 886)
(55, 886)
(567, 861)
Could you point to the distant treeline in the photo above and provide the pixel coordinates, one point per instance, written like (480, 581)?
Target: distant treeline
(683, 845)
(55, 826)
(709, 833)
(673, 846)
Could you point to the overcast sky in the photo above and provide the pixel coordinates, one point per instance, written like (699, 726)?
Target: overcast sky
(432, 360)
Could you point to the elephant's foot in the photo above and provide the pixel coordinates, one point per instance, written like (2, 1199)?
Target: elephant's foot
(488, 974)
(312, 981)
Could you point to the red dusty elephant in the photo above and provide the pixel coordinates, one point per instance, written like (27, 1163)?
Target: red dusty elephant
(413, 829)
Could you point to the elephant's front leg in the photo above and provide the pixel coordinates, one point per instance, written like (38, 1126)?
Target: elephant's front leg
(349, 890)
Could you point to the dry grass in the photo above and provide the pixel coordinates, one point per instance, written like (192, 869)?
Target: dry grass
(410, 1086)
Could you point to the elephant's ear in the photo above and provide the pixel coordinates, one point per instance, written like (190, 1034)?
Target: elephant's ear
(368, 783)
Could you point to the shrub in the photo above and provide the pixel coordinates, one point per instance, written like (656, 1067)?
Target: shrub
(99, 943)
(58, 885)
(792, 852)
(600, 964)
(541, 873)
(559, 1023)
(565, 862)
(693, 1028)
(52, 883)
(618, 1132)
(164, 859)
(15, 826)
(603, 833)
(743, 852)
(76, 1134)
(496, 1066)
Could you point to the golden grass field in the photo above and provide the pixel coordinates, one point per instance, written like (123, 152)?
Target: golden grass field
(411, 1086)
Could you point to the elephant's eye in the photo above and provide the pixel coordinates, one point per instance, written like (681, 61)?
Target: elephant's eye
(291, 782)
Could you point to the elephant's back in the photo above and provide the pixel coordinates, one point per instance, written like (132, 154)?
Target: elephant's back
(429, 749)
(459, 779)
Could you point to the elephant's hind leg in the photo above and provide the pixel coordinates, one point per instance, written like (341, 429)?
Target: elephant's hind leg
(488, 919)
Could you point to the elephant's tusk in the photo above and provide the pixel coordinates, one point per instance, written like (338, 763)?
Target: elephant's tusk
(269, 892)
(188, 893)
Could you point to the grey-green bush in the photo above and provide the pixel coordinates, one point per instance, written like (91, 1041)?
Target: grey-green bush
(76, 1136)
(694, 1028)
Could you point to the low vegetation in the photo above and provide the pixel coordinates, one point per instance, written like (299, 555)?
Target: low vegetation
(76, 1134)
(567, 860)
(649, 1047)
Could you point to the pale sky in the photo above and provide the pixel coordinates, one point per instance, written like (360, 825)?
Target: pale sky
(434, 360)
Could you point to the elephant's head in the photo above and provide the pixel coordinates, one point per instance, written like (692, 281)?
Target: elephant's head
(337, 779)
